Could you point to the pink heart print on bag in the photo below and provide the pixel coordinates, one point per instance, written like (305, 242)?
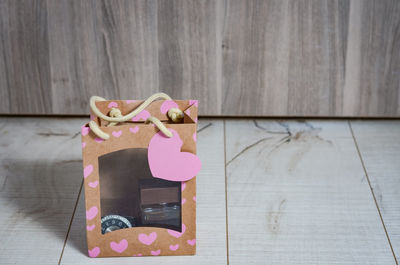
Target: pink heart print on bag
(166, 160)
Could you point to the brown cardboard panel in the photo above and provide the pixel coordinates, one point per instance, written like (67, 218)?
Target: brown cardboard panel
(137, 240)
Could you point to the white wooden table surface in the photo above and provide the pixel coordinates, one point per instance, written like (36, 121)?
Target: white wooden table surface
(270, 192)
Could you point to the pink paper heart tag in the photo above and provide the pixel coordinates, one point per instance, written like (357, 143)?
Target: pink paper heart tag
(166, 160)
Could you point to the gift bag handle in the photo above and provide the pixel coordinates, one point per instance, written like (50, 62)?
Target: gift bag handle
(116, 117)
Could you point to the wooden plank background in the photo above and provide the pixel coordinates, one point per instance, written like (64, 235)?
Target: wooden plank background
(247, 58)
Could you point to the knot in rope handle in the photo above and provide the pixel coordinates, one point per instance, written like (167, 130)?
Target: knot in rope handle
(175, 114)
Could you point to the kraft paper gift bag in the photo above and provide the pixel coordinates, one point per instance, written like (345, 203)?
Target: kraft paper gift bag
(139, 166)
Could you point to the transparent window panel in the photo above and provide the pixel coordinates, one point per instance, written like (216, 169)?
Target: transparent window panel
(131, 197)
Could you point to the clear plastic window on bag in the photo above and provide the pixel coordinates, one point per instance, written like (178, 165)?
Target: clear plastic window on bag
(131, 197)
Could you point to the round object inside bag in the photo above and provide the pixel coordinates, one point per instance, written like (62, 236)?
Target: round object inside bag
(115, 222)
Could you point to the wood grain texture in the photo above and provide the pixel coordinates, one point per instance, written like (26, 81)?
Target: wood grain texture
(261, 58)
(297, 194)
(311, 58)
(284, 57)
(372, 85)
(115, 49)
(187, 52)
(379, 147)
(107, 48)
(211, 214)
(24, 60)
(40, 177)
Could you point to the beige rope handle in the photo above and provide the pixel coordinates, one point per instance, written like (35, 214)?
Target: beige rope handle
(174, 114)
